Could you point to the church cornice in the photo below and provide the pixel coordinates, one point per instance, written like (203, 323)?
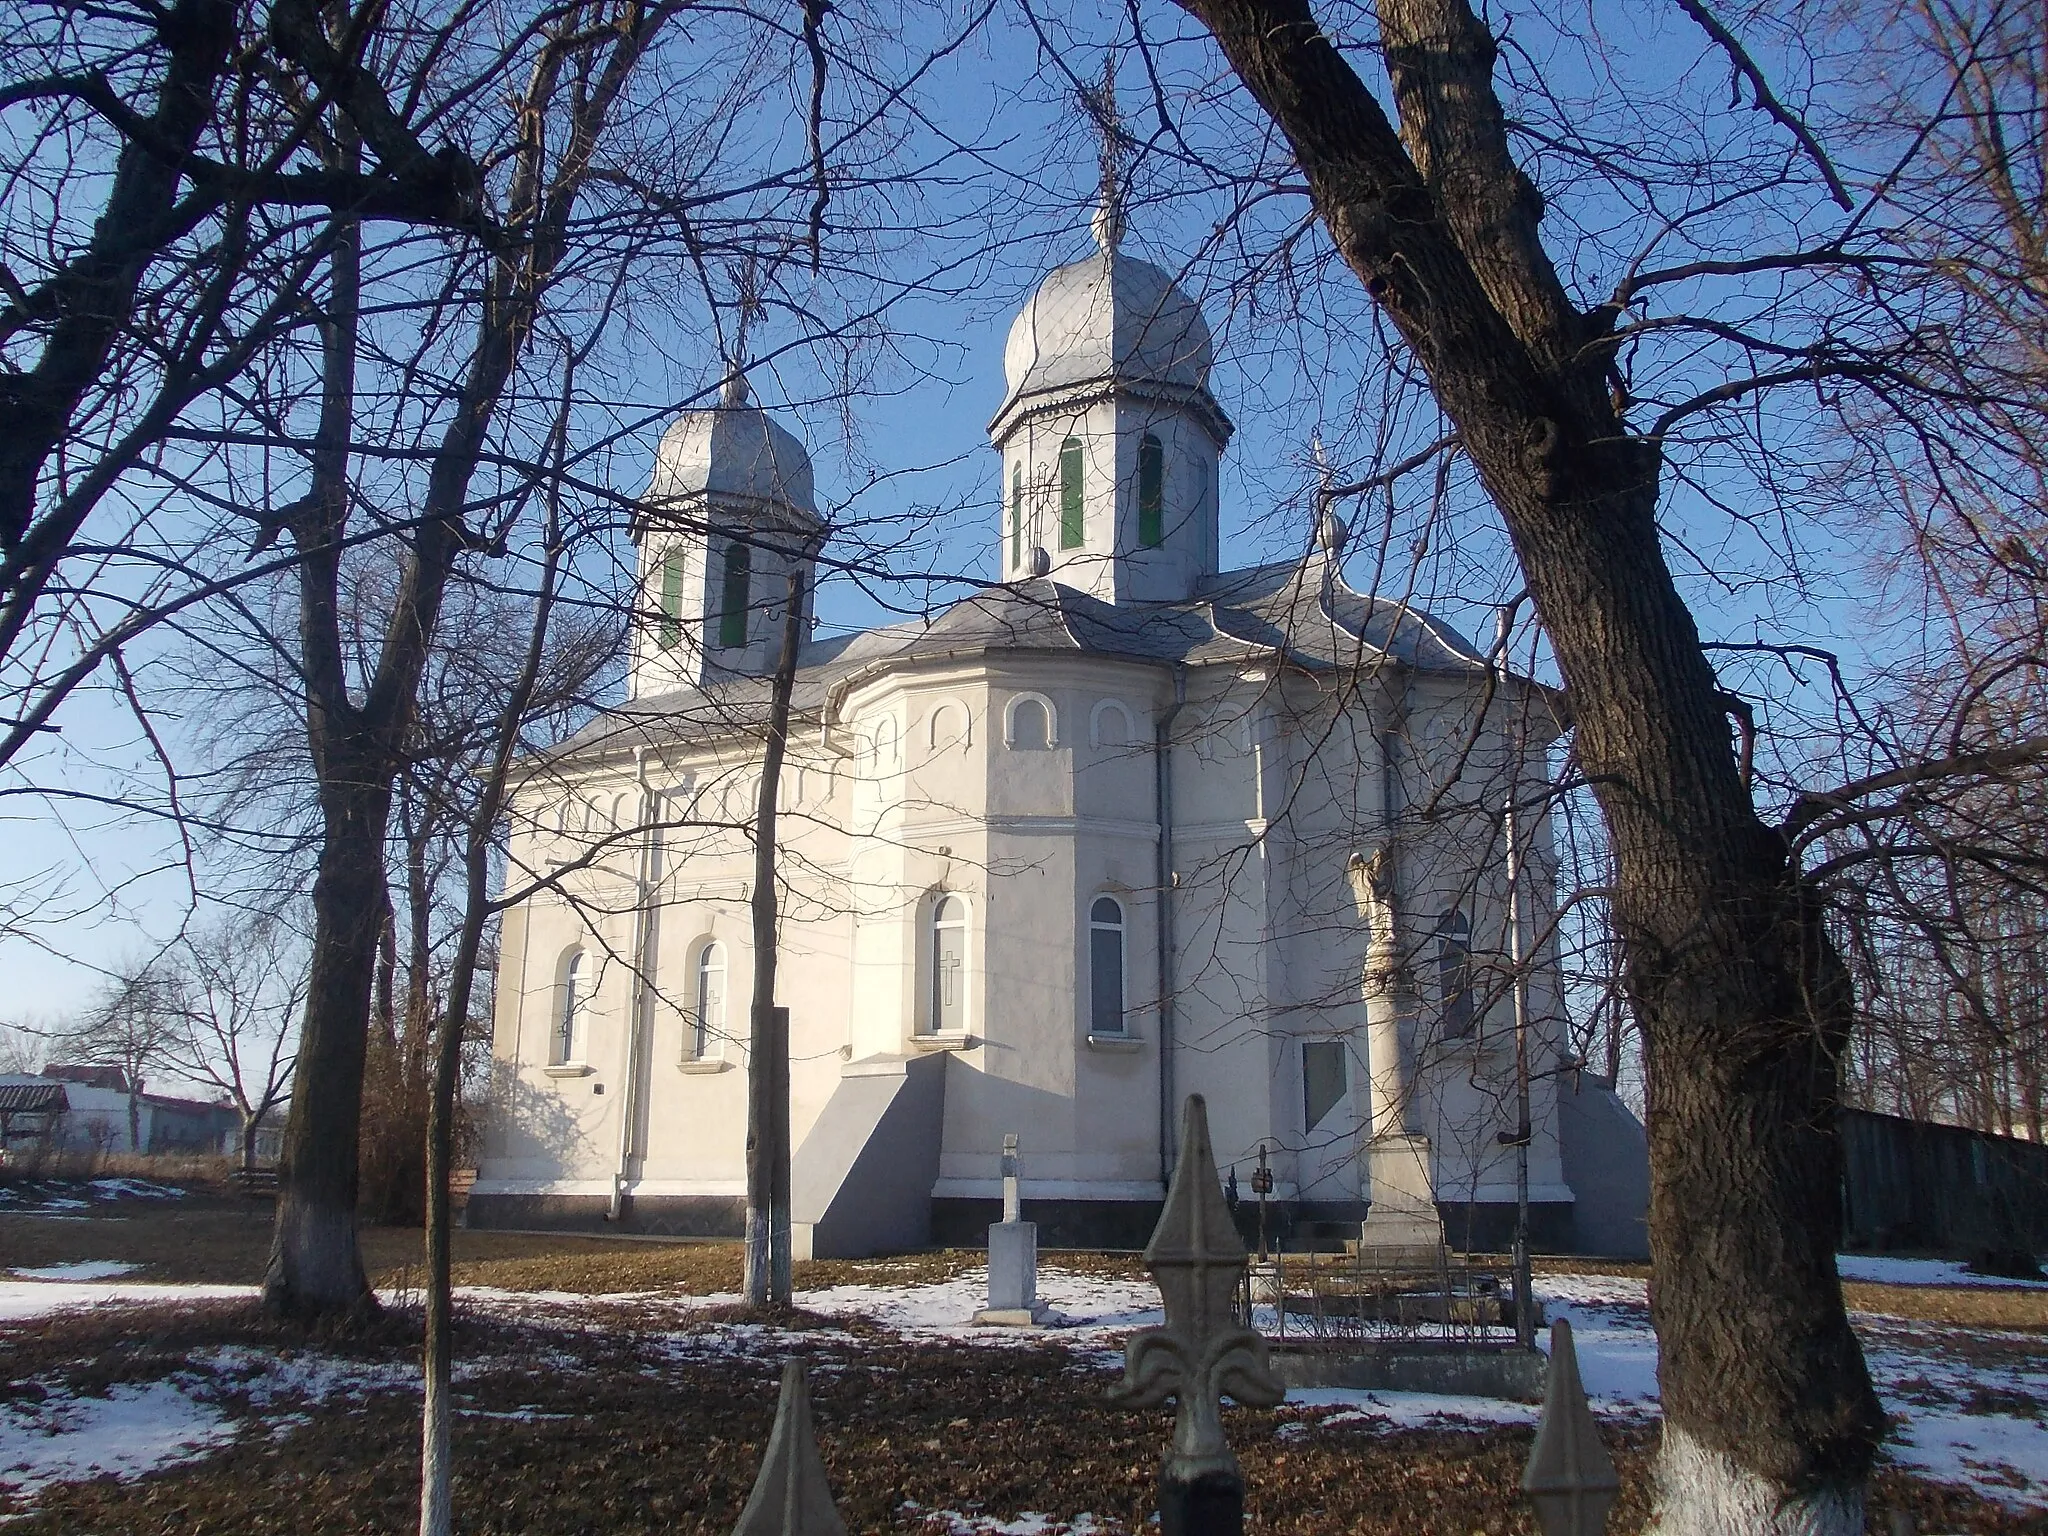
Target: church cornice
(1197, 402)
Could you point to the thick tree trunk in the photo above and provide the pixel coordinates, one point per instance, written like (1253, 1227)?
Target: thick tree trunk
(316, 1267)
(1770, 1420)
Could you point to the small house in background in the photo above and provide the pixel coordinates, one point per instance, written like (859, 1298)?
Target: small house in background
(30, 1113)
(97, 1113)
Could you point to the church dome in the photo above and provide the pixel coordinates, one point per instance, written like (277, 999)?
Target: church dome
(733, 450)
(1107, 317)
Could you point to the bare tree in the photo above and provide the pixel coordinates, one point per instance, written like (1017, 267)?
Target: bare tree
(236, 990)
(133, 1027)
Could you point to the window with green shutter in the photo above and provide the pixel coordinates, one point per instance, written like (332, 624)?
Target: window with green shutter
(1151, 492)
(670, 635)
(1017, 518)
(733, 594)
(1071, 525)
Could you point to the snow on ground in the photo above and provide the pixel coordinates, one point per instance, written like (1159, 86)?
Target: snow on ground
(135, 1428)
(44, 1197)
(135, 1189)
(1086, 1308)
(79, 1269)
(21, 1300)
(951, 1522)
(1883, 1269)
(1971, 1404)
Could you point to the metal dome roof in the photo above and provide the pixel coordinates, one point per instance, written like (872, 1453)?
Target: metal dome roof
(733, 450)
(1107, 317)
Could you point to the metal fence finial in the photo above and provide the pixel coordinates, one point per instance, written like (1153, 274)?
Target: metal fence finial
(791, 1496)
(1197, 1259)
(1570, 1477)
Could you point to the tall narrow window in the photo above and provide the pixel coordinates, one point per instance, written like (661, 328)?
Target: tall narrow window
(707, 1022)
(1322, 1080)
(1071, 521)
(949, 967)
(1017, 518)
(568, 1043)
(1105, 967)
(670, 635)
(1151, 492)
(734, 594)
(1454, 974)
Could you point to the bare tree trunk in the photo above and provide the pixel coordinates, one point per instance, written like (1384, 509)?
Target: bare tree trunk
(1770, 1421)
(437, 1471)
(767, 1277)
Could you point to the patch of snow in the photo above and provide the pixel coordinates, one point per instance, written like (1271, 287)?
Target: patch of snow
(79, 1269)
(135, 1189)
(1027, 1523)
(23, 1299)
(135, 1428)
(1410, 1409)
(1885, 1269)
(1084, 1307)
(301, 1377)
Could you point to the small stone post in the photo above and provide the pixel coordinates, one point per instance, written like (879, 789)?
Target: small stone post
(1197, 1258)
(1570, 1477)
(791, 1496)
(1013, 1257)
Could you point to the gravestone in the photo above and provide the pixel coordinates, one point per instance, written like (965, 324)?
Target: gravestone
(1013, 1258)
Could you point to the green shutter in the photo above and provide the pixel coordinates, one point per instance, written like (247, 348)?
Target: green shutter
(1017, 518)
(1071, 523)
(1151, 492)
(670, 635)
(733, 595)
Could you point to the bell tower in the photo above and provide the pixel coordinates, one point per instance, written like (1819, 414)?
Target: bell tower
(729, 516)
(1109, 438)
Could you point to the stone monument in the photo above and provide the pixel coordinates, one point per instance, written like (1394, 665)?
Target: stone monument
(1402, 1221)
(1013, 1258)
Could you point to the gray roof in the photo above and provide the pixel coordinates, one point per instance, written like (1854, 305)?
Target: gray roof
(1299, 613)
(33, 1099)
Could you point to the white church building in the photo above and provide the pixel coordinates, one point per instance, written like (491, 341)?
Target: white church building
(1121, 827)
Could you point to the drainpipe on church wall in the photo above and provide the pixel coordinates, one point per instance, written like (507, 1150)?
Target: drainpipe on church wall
(1162, 758)
(631, 1083)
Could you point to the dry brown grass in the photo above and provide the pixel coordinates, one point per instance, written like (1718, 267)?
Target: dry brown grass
(581, 1429)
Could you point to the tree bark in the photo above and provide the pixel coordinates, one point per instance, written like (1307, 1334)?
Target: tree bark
(767, 1276)
(1770, 1420)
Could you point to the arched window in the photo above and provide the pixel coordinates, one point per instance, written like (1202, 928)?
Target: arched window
(949, 726)
(1454, 974)
(1017, 518)
(1106, 967)
(734, 594)
(1072, 525)
(1151, 492)
(948, 1013)
(1110, 724)
(571, 1009)
(707, 1011)
(1030, 726)
(670, 634)
(622, 812)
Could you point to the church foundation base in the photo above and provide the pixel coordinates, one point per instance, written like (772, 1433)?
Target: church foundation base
(644, 1216)
(1123, 1224)
(1490, 1228)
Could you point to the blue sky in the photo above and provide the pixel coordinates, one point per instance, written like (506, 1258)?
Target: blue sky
(1283, 379)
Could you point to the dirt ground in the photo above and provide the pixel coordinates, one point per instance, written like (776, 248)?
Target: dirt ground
(224, 1240)
(588, 1425)
(621, 1418)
